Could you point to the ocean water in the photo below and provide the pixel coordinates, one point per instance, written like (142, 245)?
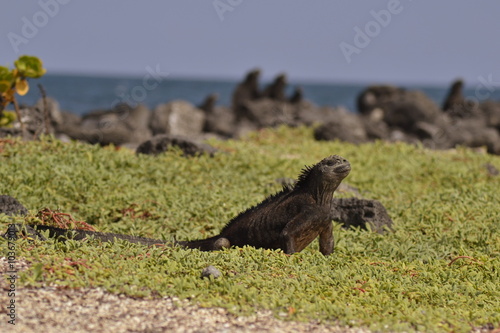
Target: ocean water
(82, 94)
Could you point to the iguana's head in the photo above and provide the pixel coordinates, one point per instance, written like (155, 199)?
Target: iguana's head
(334, 167)
(322, 179)
(328, 172)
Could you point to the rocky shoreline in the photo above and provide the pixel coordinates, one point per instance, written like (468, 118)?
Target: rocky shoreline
(384, 112)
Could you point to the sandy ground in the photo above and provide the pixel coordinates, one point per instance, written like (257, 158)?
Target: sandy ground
(59, 310)
(53, 309)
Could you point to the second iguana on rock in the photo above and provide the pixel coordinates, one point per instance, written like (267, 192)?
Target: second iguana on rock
(289, 220)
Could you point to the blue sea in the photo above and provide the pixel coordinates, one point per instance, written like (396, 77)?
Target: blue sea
(82, 94)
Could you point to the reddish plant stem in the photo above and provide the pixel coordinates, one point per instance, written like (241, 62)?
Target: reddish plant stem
(462, 257)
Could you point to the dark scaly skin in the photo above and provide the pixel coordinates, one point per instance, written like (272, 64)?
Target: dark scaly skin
(289, 220)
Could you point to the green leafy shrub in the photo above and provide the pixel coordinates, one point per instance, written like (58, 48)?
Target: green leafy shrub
(437, 272)
(15, 81)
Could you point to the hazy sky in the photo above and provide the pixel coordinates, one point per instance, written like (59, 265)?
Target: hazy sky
(319, 40)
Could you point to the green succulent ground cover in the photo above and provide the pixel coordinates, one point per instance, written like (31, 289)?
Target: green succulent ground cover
(438, 271)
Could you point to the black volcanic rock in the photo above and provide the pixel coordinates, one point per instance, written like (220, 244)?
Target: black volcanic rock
(247, 90)
(219, 120)
(10, 206)
(120, 125)
(345, 126)
(408, 109)
(491, 111)
(455, 96)
(354, 212)
(297, 96)
(457, 106)
(399, 108)
(276, 90)
(375, 96)
(209, 103)
(474, 133)
(177, 118)
(266, 112)
(161, 143)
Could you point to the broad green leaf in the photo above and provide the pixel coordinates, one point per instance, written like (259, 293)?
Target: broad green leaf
(6, 73)
(29, 66)
(6, 79)
(8, 117)
(5, 86)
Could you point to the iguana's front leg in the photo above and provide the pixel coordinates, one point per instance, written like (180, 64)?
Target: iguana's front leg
(326, 240)
(304, 228)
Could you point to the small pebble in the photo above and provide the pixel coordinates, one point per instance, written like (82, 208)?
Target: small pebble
(492, 171)
(210, 271)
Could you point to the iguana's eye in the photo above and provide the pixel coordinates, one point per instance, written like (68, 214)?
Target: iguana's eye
(330, 163)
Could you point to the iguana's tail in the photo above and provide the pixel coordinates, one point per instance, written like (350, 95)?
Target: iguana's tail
(33, 231)
(209, 244)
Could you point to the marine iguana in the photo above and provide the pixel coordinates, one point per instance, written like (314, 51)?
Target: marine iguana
(288, 220)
